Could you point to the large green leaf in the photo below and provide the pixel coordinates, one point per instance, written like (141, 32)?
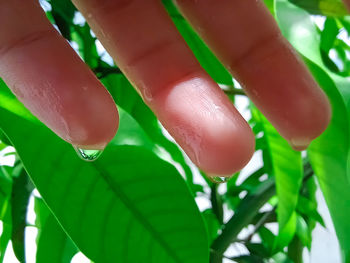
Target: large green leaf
(128, 206)
(128, 99)
(328, 156)
(329, 153)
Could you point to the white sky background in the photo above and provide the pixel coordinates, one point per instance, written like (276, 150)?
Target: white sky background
(325, 246)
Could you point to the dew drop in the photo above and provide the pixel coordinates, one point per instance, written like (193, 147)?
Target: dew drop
(219, 179)
(88, 155)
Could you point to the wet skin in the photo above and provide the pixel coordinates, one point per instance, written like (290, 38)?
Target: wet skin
(50, 79)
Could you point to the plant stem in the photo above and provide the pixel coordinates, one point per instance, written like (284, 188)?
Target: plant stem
(246, 211)
(216, 203)
(234, 91)
(260, 223)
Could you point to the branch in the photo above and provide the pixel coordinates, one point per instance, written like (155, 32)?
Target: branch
(234, 91)
(102, 72)
(247, 210)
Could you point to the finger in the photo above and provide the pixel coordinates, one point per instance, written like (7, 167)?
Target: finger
(49, 78)
(145, 44)
(247, 40)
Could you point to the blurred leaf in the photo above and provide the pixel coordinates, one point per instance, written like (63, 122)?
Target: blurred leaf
(21, 191)
(267, 237)
(322, 7)
(329, 153)
(329, 34)
(205, 57)
(286, 167)
(281, 258)
(87, 45)
(134, 205)
(302, 231)
(5, 192)
(295, 250)
(271, 6)
(5, 212)
(247, 259)
(309, 208)
(328, 37)
(286, 234)
(212, 224)
(63, 13)
(258, 249)
(53, 244)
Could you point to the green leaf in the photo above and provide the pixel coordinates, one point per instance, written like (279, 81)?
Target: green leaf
(322, 7)
(21, 190)
(309, 208)
(63, 13)
(329, 153)
(329, 158)
(5, 192)
(267, 237)
(5, 203)
(302, 231)
(131, 133)
(271, 6)
(286, 234)
(212, 224)
(127, 206)
(286, 167)
(53, 244)
(87, 44)
(205, 57)
(329, 34)
(6, 233)
(127, 98)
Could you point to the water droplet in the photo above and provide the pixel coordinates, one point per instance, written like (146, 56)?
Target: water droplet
(219, 179)
(88, 155)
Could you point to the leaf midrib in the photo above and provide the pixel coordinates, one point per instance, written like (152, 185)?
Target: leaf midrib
(137, 214)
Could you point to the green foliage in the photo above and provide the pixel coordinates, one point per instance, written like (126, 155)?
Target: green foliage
(133, 205)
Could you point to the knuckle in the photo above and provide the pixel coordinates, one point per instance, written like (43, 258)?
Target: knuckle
(257, 52)
(150, 53)
(25, 40)
(109, 6)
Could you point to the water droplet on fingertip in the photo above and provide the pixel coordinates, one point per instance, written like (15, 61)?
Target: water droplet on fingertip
(219, 179)
(88, 155)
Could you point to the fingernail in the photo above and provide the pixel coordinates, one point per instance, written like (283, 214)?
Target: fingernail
(299, 144)
(219, 179)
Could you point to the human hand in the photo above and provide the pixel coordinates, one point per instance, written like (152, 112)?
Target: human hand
(50, 79)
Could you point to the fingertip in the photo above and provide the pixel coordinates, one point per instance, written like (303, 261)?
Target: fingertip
(227, 154)
(96, 124)
(206, 125)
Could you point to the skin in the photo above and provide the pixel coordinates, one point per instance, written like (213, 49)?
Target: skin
(347, 4)
(50, 79)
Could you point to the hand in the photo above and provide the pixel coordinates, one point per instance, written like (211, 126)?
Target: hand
(50, 79)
